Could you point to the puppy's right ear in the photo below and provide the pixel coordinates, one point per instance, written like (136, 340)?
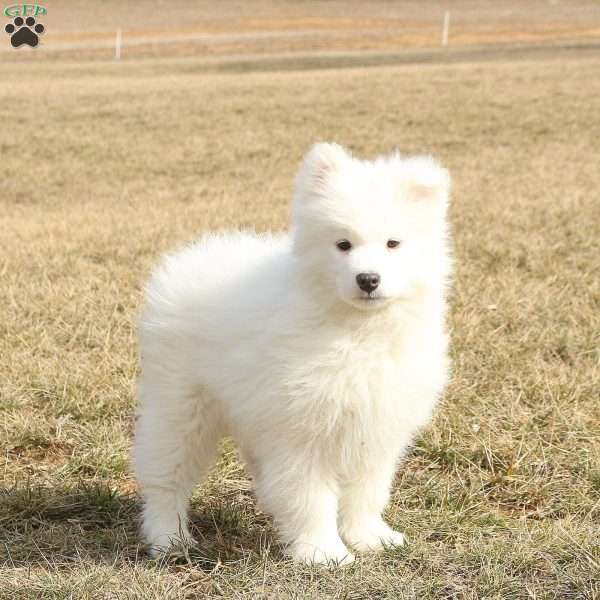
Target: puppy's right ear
(321, 162)
(324, 158)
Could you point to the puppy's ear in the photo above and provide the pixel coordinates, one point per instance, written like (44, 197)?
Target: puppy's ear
(325, 157)
(425, 180)
(320, 164)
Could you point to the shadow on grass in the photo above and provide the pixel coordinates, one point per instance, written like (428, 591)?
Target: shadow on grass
(92, 521)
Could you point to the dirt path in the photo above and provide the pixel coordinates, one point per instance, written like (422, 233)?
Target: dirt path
(338, 60)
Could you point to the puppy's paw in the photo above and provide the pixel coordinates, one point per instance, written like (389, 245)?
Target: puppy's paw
(164, 545)
(373, 536)
(321, 552)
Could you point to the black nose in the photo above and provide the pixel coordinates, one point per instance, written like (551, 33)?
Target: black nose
(368, 281)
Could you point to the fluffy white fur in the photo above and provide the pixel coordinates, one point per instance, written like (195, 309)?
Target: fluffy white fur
(269, 339)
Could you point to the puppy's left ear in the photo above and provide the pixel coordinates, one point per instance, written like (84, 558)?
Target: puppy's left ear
(425, 180)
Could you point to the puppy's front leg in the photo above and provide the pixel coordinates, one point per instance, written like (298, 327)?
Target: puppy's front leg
(362, 501)
(304, 506)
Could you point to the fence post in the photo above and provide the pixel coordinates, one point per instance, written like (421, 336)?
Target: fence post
(118, 41)
(446, 28)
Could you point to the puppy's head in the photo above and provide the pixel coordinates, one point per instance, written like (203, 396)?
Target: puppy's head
(370, 232)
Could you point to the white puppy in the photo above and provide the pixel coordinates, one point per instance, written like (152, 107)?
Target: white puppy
(321, 352)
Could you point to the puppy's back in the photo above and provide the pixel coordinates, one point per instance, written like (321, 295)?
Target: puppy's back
(219, 280)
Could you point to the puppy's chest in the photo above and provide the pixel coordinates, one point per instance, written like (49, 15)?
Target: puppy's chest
(339, 389)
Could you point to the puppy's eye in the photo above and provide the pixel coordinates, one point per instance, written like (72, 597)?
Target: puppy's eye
(393, 243)
(343, 245)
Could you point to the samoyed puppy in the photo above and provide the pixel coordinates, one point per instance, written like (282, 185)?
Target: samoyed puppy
(321, 351)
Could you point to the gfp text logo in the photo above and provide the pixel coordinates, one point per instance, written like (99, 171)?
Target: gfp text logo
(24, 29)
(24, 10)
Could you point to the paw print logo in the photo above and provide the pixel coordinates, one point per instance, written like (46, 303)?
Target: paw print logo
(24, 32)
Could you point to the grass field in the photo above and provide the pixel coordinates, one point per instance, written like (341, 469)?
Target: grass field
(104, 166)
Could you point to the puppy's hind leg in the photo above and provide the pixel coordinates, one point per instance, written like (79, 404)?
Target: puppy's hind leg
(177, 435)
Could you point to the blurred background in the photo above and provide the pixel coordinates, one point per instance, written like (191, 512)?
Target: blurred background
(221, 30)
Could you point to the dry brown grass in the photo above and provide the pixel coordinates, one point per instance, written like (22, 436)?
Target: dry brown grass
(105, 166)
